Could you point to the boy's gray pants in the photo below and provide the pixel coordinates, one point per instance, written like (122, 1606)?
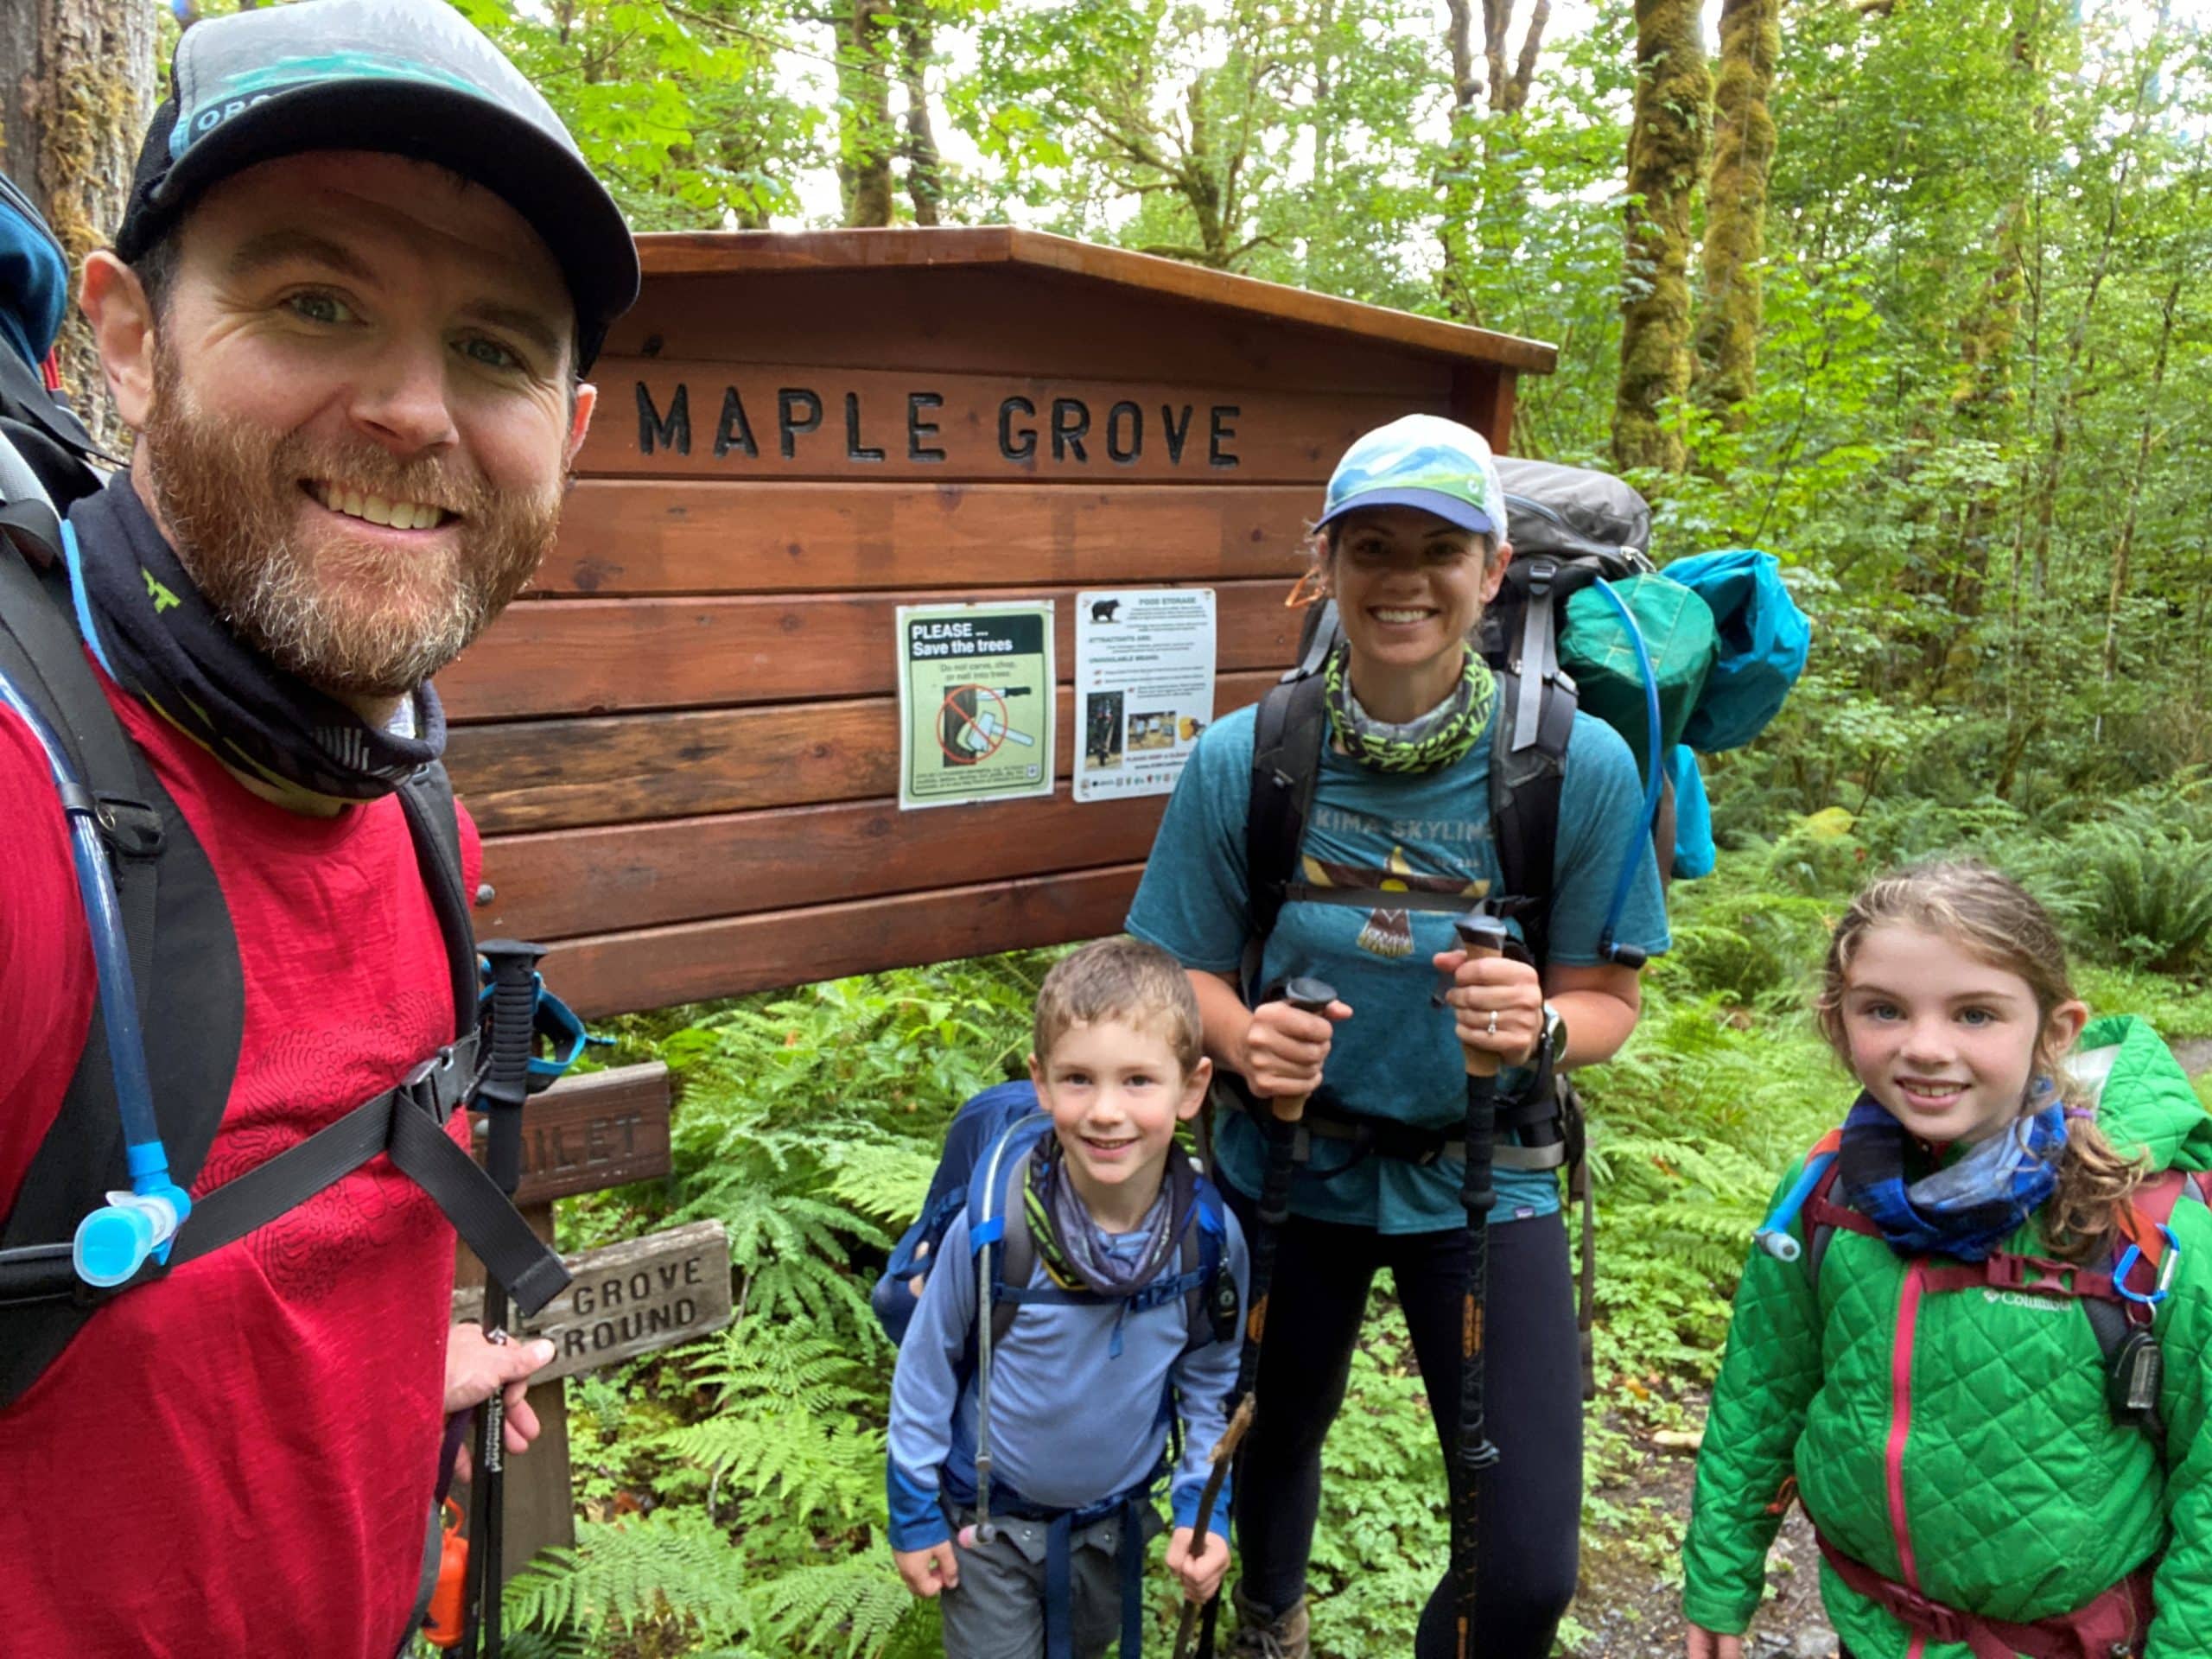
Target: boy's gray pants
(997, 1612)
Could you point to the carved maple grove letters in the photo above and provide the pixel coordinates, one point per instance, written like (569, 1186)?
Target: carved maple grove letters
(1099, 429)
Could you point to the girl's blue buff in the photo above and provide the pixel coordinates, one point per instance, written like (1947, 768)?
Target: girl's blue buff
(1968, 1209)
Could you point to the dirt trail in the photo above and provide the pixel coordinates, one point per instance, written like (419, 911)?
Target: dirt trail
(1631, 1594)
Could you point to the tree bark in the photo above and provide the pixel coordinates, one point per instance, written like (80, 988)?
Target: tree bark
(1735, 207)
(924, 167)
(2124, 549)
(74, 104)
(1666, 152)
(866, 136)
(1456, 170)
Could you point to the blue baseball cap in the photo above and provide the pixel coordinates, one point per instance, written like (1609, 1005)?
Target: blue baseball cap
(409, 77)
(1424, 461)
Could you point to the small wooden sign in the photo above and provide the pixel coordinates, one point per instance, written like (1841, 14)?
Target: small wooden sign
(628, 1299)
(587, 1133)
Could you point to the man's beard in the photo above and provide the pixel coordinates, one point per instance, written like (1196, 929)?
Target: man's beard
(350, 618)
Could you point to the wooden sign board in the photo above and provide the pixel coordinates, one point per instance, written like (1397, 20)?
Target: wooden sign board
(633, 1298)
(681, 744)
(587, 1133)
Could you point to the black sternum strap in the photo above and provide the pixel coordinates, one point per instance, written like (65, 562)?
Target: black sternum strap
(408, 1121)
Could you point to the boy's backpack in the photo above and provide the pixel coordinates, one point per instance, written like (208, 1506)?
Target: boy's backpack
(2119, 1299)
(142, 863)
(983, 1173)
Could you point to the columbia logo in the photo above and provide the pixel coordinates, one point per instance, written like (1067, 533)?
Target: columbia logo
(2018, 1299)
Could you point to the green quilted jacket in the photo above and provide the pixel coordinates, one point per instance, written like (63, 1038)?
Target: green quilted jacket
(1967, 1428)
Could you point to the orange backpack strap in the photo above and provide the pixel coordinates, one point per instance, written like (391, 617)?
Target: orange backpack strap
(2145, 1217)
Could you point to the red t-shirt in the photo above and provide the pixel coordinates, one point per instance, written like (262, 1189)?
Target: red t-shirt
(238, 1457)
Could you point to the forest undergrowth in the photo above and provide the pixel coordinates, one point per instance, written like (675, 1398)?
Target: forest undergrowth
(730, 1494)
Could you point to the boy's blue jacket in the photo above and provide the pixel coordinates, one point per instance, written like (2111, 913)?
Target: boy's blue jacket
(1072, 1422)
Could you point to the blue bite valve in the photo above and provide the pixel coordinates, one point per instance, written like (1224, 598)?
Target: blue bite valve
(113, 1242)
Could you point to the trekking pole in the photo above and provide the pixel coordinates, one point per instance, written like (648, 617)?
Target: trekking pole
(514, 1018)
(1480, 935)
(1224, 1450)
(1308, 995)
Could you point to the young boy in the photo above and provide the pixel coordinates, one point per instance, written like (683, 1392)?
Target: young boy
(1080, 1394)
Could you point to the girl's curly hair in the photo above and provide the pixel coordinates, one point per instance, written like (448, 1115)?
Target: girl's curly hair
(1991, 917)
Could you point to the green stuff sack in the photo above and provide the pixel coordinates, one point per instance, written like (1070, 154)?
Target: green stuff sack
(1680, 634)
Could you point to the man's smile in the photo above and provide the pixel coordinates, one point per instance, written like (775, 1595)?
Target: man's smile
(376, 509)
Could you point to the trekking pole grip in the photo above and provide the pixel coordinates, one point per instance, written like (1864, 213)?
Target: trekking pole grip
(1308, 995)
(1481, 935)
(514, 1019)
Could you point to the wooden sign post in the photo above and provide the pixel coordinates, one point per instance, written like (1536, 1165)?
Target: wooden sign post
(682, 745)
(584, 1135)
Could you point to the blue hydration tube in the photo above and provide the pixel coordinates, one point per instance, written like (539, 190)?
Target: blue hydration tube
(1640, 835)
(1773, 1235)
(113, 1242)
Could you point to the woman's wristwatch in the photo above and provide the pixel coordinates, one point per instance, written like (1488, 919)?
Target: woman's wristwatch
(1555, 1035)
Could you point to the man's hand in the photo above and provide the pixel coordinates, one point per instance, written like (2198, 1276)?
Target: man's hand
(476, 1369)
(1283, 1048)
(1705, 1644)
(1497, 1004)
(1201, 1573)
(929, 1571)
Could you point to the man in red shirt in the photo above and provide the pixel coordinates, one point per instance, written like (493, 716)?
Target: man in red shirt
(363, 272)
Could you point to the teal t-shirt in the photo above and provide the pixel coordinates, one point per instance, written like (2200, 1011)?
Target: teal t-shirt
(1396, 1056)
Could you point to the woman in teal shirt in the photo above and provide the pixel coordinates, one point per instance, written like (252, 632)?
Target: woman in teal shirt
(1411, 546)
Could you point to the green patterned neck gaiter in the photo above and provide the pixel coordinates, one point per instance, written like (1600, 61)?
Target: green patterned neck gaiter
(1437, 739)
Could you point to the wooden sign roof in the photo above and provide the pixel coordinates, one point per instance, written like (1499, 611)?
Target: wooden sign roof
(692, 253)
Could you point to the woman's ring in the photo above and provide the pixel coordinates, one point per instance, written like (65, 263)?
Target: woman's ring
(1491, 1029)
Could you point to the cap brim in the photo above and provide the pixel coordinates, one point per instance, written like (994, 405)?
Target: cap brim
(509, 156)
(1450, 508)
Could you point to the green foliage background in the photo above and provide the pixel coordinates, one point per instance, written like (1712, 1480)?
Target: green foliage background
(1978, 444)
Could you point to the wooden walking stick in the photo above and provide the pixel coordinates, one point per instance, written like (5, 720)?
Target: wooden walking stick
(1480, 935)
(1309, 995)
(1224, 1450)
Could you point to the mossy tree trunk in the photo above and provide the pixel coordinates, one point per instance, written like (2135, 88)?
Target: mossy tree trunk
(865, 137)
(75, 101)
(1735, 207)
(924, 169)
(1666, 157)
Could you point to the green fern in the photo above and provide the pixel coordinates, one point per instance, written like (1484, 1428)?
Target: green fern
(820, 1471)
(850, 1607)
(886, 1177)
(2147, 880)
(634, 1574)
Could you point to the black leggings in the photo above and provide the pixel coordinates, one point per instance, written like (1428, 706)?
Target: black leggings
(1532, 1498)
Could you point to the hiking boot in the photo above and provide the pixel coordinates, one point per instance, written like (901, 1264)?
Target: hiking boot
(1258, 1636)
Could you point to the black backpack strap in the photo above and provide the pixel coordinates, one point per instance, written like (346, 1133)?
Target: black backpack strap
(434, 822)
(1017, 1251)
(188, 980)
(407, 1121)
(1525, 781)
(1287, 732)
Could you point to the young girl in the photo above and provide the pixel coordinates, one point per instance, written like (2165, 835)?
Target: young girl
(1907, 1358)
